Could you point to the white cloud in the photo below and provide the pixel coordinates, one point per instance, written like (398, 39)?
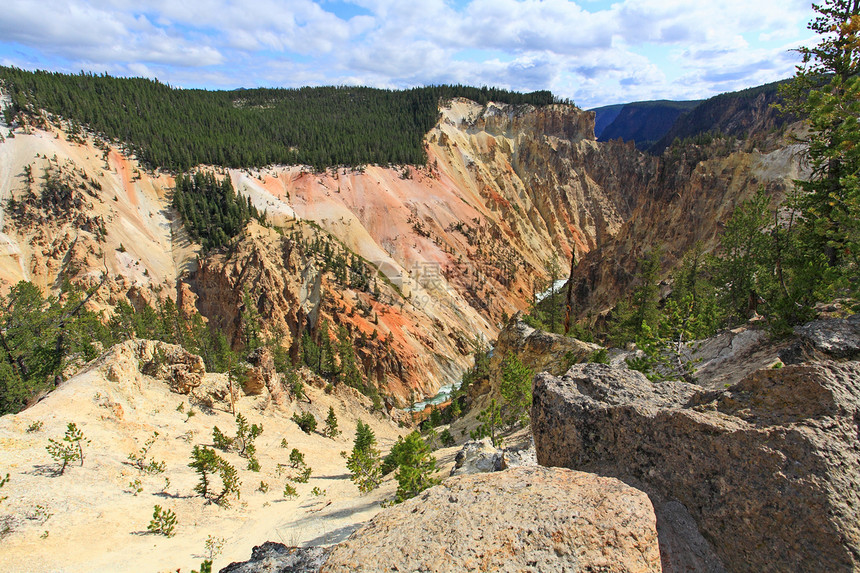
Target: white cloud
(593, 57)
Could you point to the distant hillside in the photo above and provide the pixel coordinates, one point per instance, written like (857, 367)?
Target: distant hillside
(740, 114)
(604, 116)
(642, 122)
(177, 128)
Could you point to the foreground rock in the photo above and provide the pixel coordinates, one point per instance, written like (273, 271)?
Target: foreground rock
(523, 519)
(769, 469)
(270, 557)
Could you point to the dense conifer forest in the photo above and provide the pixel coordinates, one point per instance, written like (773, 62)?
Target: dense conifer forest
(175, 129)
(211, 210)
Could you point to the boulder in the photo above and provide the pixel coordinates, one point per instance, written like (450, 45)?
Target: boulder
(539, 350)
(271, 557)
(522, 456)
(477, 456)
(480, 456)
(836, 337)
(769, 468)
(523, 519)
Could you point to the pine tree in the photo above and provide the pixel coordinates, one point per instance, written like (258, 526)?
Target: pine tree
(415, 467)
(516, 389)
(364, 462)
(826, 89)
(330, 429)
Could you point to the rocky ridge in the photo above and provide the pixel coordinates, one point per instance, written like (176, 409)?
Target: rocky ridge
(524, 519)
(767, 468)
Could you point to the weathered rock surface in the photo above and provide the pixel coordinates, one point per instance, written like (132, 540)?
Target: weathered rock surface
(182, 370)
(477, 456)
(480, 456)
(261, 375)
(838, 337)
(523, 519)
(520, 456)
(539, 350)
(271, 557)
(768, 468)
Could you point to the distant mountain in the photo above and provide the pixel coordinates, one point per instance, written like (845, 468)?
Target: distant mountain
(642, 122)
(604, 116)
(745, 113)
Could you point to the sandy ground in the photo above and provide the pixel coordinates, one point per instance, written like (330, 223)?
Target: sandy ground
(89, 519)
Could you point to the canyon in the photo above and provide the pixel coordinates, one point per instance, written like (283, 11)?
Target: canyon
(452, 251)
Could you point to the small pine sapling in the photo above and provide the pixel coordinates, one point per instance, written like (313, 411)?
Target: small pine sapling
(296, 458)
(135, 486)
(3, 482)
(207, 463)
(304, 475)
(220, 441)
(138, 459)
(245, 434)
(70, 449)
(290, 491)
(163, 522)
(205, 567)
(364, 463)
(214, 547)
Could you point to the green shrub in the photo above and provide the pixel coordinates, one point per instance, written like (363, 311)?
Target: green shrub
(70, 449)
(207, 463)
(447, 438)
(306, 421)
(163, 522)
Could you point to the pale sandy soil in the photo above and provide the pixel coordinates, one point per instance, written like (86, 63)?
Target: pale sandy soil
(89, 520)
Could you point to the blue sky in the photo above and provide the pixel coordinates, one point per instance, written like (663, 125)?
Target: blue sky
(595, 52)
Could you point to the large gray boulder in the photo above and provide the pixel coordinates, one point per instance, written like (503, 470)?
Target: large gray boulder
(837, 337)
(769, 468)
(527, 519)
(272, 557)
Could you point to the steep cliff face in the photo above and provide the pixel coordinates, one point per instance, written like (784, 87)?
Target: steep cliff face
(747, 113)
(685, 198)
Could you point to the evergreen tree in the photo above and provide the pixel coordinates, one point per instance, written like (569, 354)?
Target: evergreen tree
(415, 467)
(330, 429)
(516, 389)
(364, 463)
(826, 89)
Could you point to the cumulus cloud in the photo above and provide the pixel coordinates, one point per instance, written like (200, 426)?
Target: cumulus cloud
(634, 49)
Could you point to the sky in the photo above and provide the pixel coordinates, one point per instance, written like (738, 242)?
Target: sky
(593, 52)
